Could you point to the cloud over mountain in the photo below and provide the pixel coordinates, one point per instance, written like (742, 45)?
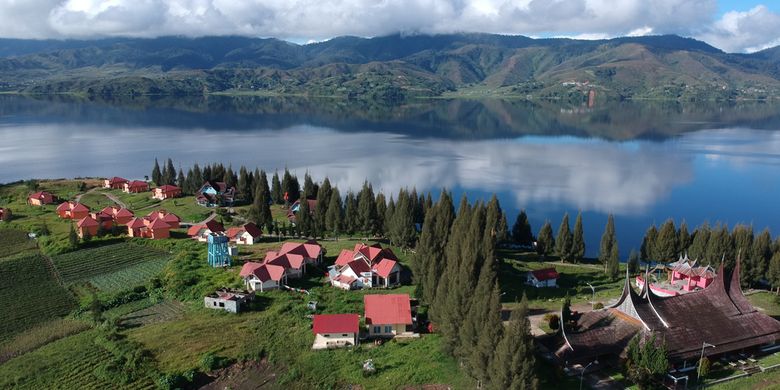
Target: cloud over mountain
(303, 20)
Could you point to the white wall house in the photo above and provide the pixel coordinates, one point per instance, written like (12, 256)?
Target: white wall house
(335, 330)
(547, 277)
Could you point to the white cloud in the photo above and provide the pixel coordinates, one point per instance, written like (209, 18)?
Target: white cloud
(304, 20)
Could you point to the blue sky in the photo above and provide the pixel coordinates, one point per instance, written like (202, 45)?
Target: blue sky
(731, 25)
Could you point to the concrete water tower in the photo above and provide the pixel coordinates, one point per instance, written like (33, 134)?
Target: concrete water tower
(218, 250)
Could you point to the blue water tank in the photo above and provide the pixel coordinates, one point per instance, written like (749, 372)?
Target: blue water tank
(218, 251)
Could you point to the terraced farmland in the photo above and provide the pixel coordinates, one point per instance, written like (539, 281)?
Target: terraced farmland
(29, 295)
(131, 276)
(161, 312)
(68, 363)
(13, 242)
(106, 261)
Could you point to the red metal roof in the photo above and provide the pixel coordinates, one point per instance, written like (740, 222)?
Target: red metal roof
(124, 213)
(233, 232)
(249, 267)
(168, 188)
(137, 184)
(253, 229)
(159, 224)
(86, 222)
(387, 309)
(117, 180)
(385, 267)
(215, 226)
(286, 260)
(194, 230)
(545, 274)
(345, 257)
(40, 194)
(170, 217)
(79, 207)
(359, 266)
(136, 223)
(336, 323)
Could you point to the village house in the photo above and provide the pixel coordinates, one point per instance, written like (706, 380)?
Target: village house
(311, 251)
(104, 220)
(388, 315)
(215, 193)
(365, 267)
(87, 226)
(121, 215)
(72, 210)
(114, 183)
(228, 300)
(40, 198)
(297, 206)
(247, 234)
(135, 187)
(335, 330)
(202, 232)
(154, 229)
(166, 192)
(262, 277)
(546, 277)
(294, 265)
(171, 219)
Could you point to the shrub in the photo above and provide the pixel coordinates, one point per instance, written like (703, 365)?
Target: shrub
(598, 306)
(553, 321)
(211, 361)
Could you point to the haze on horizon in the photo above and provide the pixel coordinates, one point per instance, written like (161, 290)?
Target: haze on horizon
(730, 25)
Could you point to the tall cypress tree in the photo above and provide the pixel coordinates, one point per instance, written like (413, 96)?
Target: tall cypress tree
(578, 243)
(197, 177)
(276, 189)
(684, 239)
(545, 243)
(608, 241)
(648, 244)
(381, 210)
(521, 230)
(613, 262)
(169, 174)
(260, 211)
(773, 273)
(429, 257)
(402, 231)
(367, 209)
(742, 236)
(513, 364)
(304, 220)
(350, 213)
(244, 188)
(188, 188)
(156, 174)
(324, 192)
(564, 240)
(308, 186)
(666, 244)
(701, 237)
(721, 247)
(633, 261)
(229, 177)
(180, 180)
(333, 217)
(759, 257)
(389, 216)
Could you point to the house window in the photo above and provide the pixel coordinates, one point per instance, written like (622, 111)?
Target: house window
(377, 329)
(344, 335)
(222, 304)
(215, 303)
(325, 335)
(388, 329)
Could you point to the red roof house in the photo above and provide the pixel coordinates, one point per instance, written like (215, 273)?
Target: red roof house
(260, 276)
(116, 183)
(335, 330)
(72, 210)
(294, 265)
(104, 219)
(148, 228)
(369, 266)
(202, 231)
(87, 226)
(310, 250)
(171, 219)
(546, 277)
(387, 315)
(40, 198)
(244, 235)
(135, 186)
(167, 191)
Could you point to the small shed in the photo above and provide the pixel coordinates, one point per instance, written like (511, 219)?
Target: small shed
(335, 330)
(546, 277)
(228, 299)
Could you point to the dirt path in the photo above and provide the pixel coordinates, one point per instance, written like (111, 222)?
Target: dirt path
(209, 218)
(77, 199)
(114, 199)
(537, 319)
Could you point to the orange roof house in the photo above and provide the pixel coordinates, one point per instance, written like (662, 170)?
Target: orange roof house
(171, 219)
(115, 183)
(72, 210)
(105, 220)
(135, 186)
(40, 198)
(121, 215)
(154, 229)
(387, 315)
(167, 191)
(87, 226)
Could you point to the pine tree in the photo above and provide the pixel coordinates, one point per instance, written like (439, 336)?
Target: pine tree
(402, 231)
(700, 242)
(502, 235)
(171, 172)
(742, 236)
(367, 209)
(180, 180)
(564, 240)
(229, 177)
(521, 230)
(276, 189)
(513, 363)
(304, 220)
(381, 210)
(493, 228)
(389, 216)
(350, 213)
(73, 238)
(683, 239)
(260, 211)
(429, 255)
(261, 183)
(156, 174)
(578, 243)
(207, 173)
(608, 245)
(308, 186)
(633, 261)
(324, 192)
(333, 217)
(288, 189)
(666, 244)
(648, 244)
(613, 262)
(759, 257)
(244, 186)
(773, 274)
(187, 188)
(545, 243)
(721, 247)
(197, 177)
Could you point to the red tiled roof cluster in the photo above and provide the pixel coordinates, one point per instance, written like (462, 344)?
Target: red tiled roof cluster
(387, 309)
(335, 323)
(263, 272)
(373, 257)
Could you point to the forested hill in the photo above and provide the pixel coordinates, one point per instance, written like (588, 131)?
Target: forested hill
(392, 67)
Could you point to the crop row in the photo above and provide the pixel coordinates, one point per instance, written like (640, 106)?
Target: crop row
(14, 241)
(29, 295)
(88, 263)
(161, 312)
(129, 277)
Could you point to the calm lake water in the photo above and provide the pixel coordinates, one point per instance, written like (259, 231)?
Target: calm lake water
(643, 162)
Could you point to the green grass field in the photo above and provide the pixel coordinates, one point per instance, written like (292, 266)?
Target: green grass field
(133, 275)
(29, 295)
(69, 363)
(186, 209)
(39, 336)
(105, 262)
(13, 242)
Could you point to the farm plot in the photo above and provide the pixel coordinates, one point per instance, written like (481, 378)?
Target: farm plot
(13, 242)
(129, 277)
(29, 295)
(161, 312)
(90, 263)
(68, 363)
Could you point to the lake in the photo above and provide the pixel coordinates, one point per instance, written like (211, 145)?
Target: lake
(642, 162)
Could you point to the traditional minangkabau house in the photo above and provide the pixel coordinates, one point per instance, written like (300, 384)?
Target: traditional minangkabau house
(718, 315)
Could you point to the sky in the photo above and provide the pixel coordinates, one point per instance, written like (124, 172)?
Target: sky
(730, 25)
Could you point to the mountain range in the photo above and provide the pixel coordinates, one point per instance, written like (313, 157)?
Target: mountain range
(392, 67)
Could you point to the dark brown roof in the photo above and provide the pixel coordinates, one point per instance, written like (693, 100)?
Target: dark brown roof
(719, 315)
